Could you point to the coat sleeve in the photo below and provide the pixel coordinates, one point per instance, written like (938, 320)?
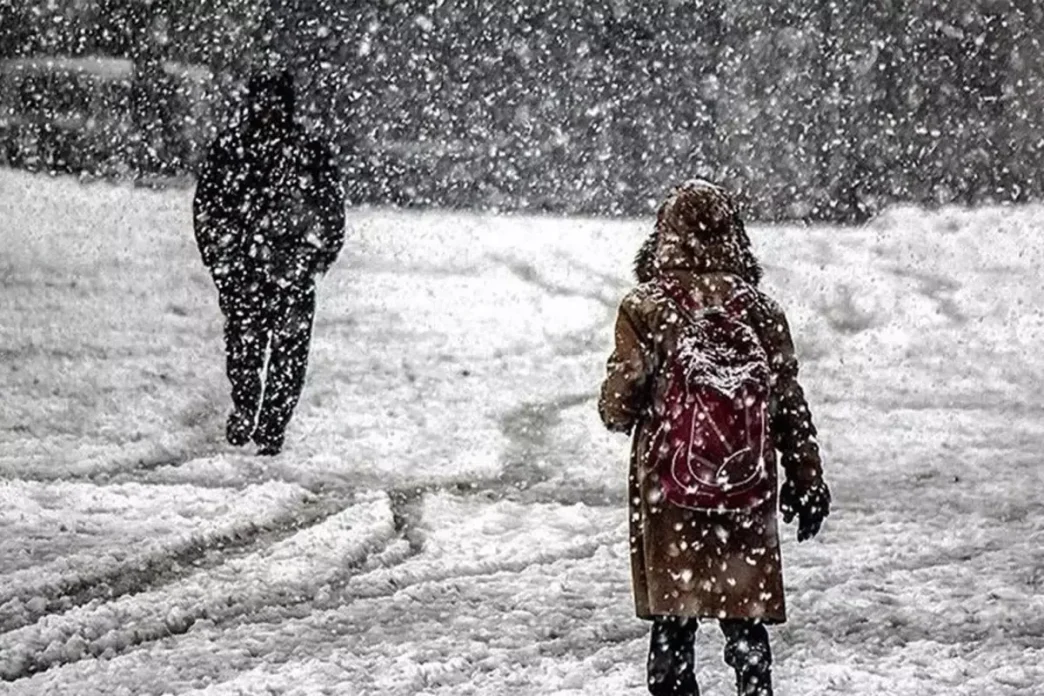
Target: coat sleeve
(330, 202)
(625, 392)
(211, 218)
(792, 427)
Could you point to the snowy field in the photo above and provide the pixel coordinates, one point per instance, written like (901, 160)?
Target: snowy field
(448, 517)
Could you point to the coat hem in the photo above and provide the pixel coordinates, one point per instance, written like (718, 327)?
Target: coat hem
(774, 620)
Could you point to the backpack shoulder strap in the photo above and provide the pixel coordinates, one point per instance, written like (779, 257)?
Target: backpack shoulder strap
(739, 306)
(738, 302)
(681, 298)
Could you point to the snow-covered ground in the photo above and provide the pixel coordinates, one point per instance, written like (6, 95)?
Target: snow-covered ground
(448, 516)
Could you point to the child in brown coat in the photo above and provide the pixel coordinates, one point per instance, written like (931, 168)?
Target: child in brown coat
(704, 545)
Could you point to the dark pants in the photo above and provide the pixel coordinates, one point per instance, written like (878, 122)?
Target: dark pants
(672, 668)
(263, 319)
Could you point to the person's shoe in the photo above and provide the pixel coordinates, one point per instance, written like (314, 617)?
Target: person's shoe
(671, 663)
(239, 428)
(268, 446)
(269, 450)
(754, 684)
(754, 676)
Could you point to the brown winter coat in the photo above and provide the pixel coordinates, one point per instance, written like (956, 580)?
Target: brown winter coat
(686, 562)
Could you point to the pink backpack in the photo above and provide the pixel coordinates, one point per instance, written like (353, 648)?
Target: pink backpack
(711, 447)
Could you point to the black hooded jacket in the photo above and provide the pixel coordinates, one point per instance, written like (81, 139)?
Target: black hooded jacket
(270, 207)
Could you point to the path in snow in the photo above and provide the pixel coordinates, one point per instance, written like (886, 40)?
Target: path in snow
(448, 516)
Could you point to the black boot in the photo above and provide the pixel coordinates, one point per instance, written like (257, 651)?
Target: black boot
(747, 651)
(239, 428)
(268, 445)
(671, 666)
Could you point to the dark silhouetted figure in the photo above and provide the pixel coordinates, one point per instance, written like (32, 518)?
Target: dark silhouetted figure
(269, 218)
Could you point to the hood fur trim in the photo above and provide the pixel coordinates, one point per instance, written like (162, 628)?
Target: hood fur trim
(698, 229)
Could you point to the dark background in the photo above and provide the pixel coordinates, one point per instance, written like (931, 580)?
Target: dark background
(815, 109)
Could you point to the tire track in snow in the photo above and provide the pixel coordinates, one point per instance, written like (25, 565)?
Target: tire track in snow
(528, 273)
(937, 288)
(472, 545)
(527, 428)
(197, 554)
(328, 629)
(614, 644)
(291, 571)
(32, 595)
(389, 575)
(407, 513)
(581, 341)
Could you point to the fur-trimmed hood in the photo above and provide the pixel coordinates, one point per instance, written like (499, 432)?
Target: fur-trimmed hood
(698, 229)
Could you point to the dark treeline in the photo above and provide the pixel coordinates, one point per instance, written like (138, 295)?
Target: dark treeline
(814, 109)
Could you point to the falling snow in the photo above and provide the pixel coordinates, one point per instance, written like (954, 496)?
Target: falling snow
(453, 369)
(414, 275)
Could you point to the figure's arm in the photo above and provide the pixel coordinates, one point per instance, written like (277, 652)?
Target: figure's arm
(216, 236)
(329, 200)
(792, 427)
(625, 391)
(805, 493)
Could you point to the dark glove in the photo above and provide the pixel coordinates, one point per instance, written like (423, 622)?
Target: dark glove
(811, 507)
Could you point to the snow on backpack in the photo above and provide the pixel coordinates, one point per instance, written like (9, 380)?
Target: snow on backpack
(711, 439)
